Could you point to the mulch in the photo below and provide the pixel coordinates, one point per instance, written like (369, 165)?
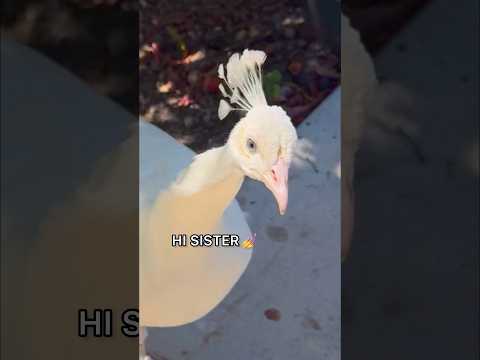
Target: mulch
(183, 42)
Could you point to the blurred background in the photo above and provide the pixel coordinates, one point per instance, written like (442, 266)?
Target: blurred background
(95, 40)
(180, 44)
(410, 284)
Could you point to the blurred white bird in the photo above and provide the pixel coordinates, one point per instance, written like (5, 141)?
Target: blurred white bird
(69, 210)
(358, 79)
(364, 98)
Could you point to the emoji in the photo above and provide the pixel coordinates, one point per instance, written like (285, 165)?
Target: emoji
(249, 243)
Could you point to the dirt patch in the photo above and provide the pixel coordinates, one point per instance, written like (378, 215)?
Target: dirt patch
(273, 314)
(277, 233)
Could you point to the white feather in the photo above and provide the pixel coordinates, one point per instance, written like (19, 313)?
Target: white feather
(303, 153)
(244, 79)
(176, 276)
(224, 109)
(222, 90)
(233, 70)
(253, 58)
(221, 72)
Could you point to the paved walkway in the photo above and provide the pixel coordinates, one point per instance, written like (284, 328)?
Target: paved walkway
(294, 273)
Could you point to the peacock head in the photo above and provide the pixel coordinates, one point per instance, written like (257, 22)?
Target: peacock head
(262, 142)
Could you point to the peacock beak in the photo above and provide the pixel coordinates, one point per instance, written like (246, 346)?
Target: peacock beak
(277, 182)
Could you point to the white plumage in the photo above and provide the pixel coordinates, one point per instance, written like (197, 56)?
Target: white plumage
(243, 82)
(197, 278)
(181, 195)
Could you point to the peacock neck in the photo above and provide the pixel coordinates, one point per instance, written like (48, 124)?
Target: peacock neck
(210, 184)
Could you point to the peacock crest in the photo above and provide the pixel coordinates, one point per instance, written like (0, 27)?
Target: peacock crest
(242, 82)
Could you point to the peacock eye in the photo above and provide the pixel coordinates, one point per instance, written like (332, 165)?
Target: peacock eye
(251, 146)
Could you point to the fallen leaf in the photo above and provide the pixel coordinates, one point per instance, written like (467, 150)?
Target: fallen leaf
(210, 84)
(295, 67)
(196, 56)
(165, 87)
(184, 101)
